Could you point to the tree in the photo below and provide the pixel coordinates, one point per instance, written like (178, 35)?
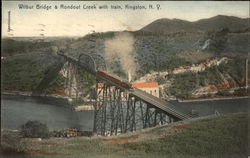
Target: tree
(34, 129)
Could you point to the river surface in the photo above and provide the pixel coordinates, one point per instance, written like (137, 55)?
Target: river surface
(210, 107)
(17, 110)
(57, 114)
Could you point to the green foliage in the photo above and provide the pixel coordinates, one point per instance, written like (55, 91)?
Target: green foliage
(25, 73)
(163, 65)
(204, 138)
(173, 63)
(21, 74)
(217, 137)
(12, 47)
(89, 79)
(185, 83)
(210, 76)
(35, 129)
(235, 68)
(11, 143)
(218, 40)
(223, 136)
(58, 83)
(160, 80)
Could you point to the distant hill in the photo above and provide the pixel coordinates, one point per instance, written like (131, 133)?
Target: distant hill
(166, 26)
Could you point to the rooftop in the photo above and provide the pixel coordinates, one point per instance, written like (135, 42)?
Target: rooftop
(136, 85)
(101, 85)
(145, 84)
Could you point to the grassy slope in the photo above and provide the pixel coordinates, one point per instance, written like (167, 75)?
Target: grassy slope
(219, 136)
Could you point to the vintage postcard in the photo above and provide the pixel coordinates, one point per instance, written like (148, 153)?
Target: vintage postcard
(132, 79)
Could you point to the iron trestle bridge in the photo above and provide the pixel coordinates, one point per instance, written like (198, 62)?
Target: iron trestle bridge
(120, 108)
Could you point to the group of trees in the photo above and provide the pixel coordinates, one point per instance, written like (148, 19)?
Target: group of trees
(35, 129)
(12, 47)
(21, 74)
(184, 84)
(218, 40)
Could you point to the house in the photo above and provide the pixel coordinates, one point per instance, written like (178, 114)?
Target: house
(149, 87)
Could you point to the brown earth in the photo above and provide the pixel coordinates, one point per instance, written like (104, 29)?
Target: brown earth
(41, 152)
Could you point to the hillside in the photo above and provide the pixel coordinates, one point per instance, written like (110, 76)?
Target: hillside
(167, 26)
(222, 136)
(180, 43)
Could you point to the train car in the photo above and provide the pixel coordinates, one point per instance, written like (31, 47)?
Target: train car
(117, 81)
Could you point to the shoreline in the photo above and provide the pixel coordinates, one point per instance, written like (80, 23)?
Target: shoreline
(68, 99)
(211, 99)
(29, 94)
(50, 99)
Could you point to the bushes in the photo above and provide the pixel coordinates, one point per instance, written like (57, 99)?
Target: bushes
(21, 73)
(160, 80)
(184, 84)
(34, 129)
(13, 47)
(235, 68)
(12, 143)
(218, 40)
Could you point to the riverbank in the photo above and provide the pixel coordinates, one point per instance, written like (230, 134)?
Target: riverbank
(29, 93)
(45, 98)
(57, 114)
(212, 98)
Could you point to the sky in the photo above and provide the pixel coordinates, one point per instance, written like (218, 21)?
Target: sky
(79, 22)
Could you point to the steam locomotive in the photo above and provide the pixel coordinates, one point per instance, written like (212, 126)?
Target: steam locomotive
(115, 80)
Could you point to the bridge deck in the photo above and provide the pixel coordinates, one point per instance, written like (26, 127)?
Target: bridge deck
(158, 103)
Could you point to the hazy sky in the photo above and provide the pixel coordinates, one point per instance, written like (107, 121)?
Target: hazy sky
(79, 22)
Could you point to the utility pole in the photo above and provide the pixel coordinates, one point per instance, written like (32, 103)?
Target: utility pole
(9, 29)
(246, 74)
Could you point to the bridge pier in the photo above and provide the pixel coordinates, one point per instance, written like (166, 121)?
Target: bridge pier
(117, 108)
(117, 111)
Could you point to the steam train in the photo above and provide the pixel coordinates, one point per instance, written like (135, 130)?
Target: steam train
(115, 80)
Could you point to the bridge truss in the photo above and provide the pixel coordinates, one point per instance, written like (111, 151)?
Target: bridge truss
(118, 109)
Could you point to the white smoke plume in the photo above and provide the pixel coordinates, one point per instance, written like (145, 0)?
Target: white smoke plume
(121, 48)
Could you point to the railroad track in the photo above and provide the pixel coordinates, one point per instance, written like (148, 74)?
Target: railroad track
(157, 103)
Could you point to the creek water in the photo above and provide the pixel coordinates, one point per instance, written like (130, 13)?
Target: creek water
(210, 107)
(57, 114)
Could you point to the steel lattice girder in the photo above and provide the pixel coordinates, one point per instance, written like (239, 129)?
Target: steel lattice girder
(118, 112)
